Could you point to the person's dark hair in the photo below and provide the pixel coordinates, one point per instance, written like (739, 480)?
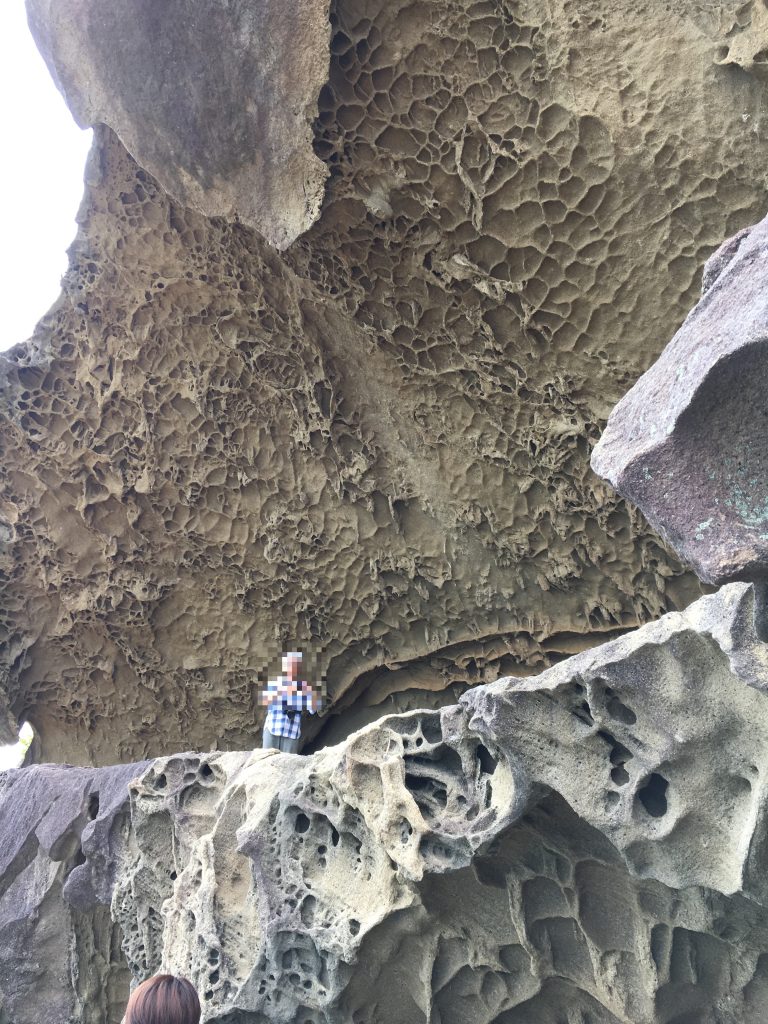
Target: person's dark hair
(163, 999)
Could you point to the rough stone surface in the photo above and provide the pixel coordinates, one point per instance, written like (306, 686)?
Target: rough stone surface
(511, 859)
(745, 38)
(689, 442)
(215, 99)
(650, 734)
(377, 443)
(61, 833)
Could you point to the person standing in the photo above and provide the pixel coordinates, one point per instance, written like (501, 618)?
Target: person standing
(285, 699)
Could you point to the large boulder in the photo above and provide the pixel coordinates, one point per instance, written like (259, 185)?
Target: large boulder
(658, 739)
(591, 839)
(689, 442)
(216, 100)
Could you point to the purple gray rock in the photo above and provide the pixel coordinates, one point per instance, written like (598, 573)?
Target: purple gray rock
(688, 443)
(61, 829)
(216, 100)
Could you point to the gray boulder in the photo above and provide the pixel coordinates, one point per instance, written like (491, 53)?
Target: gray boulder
(689, 442)
(61, 833)
(658, 739)
(215, 99)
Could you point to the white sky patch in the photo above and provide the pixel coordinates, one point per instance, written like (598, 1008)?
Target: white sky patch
(13, 755)
(42, 180)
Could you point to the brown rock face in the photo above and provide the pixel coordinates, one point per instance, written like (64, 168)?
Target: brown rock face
(376, 444)
(216, 100)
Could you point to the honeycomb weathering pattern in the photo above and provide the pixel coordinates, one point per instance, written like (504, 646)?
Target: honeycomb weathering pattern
(378, 441)
(567, 847)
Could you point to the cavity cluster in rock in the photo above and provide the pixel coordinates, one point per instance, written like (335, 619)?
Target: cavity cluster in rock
(336, 384)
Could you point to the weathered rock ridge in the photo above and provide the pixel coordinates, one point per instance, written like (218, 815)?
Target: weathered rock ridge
(375, 445)
(587, 845)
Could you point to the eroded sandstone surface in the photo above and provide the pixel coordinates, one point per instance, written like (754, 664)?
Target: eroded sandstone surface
(587, 845)
(375, 444)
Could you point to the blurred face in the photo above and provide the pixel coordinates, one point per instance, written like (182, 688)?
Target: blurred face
(292, 666)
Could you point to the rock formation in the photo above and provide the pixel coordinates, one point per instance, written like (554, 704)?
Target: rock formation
(215, 100)
(691, 448)
(375, 444)
(589, 842)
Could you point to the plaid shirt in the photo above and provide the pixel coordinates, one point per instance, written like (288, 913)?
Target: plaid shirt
(280, 722)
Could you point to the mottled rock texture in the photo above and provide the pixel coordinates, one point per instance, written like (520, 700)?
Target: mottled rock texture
(689, 443)
(377, 442)
(583, 846)
(62, 832)
(745, 38)
(215, 98)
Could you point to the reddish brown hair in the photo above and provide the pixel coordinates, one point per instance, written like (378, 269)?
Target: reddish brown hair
(163, 1000)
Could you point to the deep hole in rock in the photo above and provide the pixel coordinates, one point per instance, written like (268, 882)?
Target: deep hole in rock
(430, 794)
(432, 729)
(584, 712)
(616, 709)
(75, 862)
(653, 795)
(441, 757)
(488, 795)
(619, 756)
(93, 806)
(302, 822)
(487, 761)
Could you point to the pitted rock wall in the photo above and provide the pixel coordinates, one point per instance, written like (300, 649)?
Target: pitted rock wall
(377, 444)
(464, 866)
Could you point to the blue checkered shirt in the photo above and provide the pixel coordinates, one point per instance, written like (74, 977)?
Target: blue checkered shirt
(279, 722)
